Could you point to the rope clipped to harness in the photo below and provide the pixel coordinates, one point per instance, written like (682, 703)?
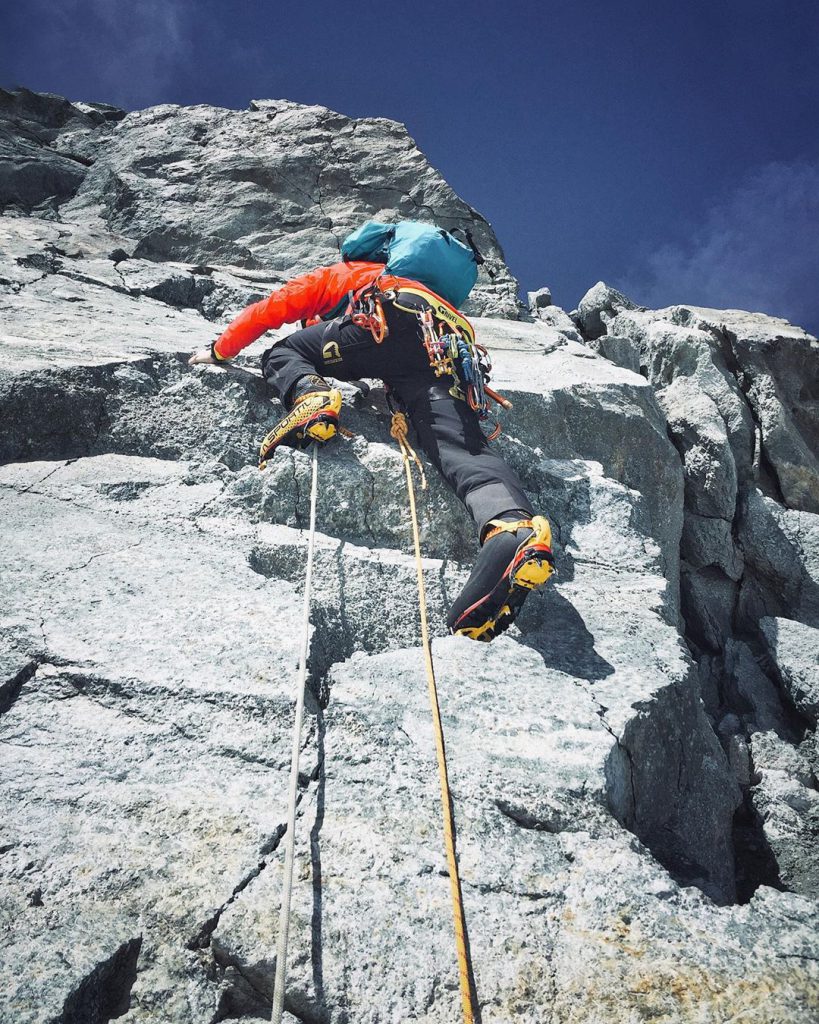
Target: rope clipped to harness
(398, 430)
(287, 881)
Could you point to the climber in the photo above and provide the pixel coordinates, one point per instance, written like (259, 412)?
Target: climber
(367, 303)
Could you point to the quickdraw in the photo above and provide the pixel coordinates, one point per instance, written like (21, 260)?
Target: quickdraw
(442, 348)
(451, 351)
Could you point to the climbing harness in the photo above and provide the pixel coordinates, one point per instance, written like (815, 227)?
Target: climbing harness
(447, 336)
(287, 881)
(398, 430)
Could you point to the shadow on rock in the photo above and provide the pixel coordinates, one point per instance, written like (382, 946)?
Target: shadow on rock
(316, 948)
(554, 628)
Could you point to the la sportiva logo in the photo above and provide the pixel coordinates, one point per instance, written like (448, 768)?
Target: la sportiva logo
(331, 353)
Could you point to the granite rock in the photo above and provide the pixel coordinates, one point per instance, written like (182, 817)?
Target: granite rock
(608, 820)
(794, 647)
(737, 390)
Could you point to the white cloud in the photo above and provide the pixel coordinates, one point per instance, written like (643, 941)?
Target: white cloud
(757, 249)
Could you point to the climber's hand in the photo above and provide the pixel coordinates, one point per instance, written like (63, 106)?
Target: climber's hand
(202, 356)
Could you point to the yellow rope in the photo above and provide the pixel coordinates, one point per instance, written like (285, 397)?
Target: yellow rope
(399, 432)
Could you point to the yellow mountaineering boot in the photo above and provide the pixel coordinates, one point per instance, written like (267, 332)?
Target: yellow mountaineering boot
(314, 417)
(515, 559)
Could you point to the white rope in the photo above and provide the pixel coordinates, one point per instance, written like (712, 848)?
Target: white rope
(287, 883)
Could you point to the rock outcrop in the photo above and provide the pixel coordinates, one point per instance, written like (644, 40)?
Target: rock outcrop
(271, 191)
(740, 392)
(634, 764)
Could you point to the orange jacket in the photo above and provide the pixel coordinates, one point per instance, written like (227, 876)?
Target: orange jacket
(303, 298)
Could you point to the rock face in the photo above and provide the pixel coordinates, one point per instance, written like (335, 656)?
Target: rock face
(43, 139)
(740, 392)
(274, 188)
(636, 826)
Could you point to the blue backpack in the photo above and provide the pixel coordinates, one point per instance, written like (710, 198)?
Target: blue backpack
(421, 252)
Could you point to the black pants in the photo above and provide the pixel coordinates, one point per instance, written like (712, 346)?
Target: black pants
(448, 430)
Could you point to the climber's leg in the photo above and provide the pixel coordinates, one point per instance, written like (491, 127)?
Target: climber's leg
(450, 433)
(295, 359)
(294, 367)
(516, 554)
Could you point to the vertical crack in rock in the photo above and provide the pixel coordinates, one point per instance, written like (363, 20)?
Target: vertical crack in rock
(105, 993)
(43, 633)
(121, 276)
(297, 492)
(369, 502)
(201, 938)
(333, 638)
(726, 340)
(442, 579)
(633, 823)
(624, 810)
(327, 217)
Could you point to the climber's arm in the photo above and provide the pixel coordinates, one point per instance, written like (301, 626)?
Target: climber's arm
(304, 297)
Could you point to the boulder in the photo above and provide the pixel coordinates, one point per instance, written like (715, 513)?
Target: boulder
(540, 299)
(785, 799)
(754, 367)
(598, 306)
(794, 648)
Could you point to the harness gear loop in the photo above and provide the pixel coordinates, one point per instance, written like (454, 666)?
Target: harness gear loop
(449, 341)
(399, 432)
(368, 311)
(287, 882)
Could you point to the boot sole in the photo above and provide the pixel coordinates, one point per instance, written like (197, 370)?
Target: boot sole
(315, 417)
(531, 569)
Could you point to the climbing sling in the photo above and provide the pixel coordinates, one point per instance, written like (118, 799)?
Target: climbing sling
(398, 430)
(289, 837)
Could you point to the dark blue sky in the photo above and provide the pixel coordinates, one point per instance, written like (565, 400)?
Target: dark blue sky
(671, 150)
